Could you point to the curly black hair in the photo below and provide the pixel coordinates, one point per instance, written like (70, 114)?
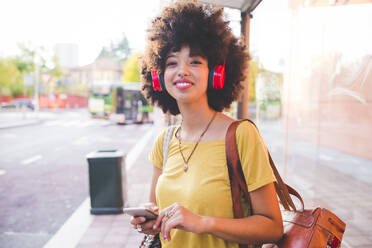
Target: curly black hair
(203, 28)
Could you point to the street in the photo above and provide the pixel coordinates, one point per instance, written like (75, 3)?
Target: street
(44, 172)
(44, 178)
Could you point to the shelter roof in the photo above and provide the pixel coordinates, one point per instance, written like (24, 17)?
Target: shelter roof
(242, 5)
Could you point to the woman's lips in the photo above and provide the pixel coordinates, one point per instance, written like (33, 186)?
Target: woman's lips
(183, 84)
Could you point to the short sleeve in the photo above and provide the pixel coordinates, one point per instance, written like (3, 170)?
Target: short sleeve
(156, 154)
(253, 156)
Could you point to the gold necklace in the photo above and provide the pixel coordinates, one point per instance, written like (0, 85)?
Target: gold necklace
(186, 162)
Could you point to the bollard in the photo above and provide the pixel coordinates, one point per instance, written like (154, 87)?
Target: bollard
(105, 181)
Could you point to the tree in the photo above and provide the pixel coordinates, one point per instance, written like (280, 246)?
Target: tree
(13, 69)
(121, 49)
(118, 51)
(27, 59)
(130, 70)
(54, 71)
(10, 82)
(254, 69)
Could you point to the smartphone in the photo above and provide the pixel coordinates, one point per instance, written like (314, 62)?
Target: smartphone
(141, 212)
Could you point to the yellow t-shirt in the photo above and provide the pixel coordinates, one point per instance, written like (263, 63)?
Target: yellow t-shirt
(205, 188)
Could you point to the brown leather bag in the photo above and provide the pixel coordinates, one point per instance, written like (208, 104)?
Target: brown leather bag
(302, 228)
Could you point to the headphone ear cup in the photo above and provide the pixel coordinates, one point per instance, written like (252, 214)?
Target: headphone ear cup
(216, 77)
(219, 76)
(162, 83)
(157, 80)
(210, 78)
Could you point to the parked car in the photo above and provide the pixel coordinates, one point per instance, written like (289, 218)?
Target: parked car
(18, 103)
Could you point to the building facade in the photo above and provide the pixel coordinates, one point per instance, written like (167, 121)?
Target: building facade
(102, 69)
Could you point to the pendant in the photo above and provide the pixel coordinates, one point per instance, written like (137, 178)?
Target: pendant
(185, 167)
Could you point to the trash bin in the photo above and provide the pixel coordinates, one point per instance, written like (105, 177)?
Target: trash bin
(105, 181)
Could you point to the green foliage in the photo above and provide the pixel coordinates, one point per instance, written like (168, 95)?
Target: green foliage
(118, 51)
(79, 89)
(56, 71)
(30, 57)
(61, 89)
(22, 65)
(130, 70)
(13, 69)
(254, 70)
(121, 49)
(105, 53)
(10, 81)
(269, 90)
(16, 89)
(26, 61)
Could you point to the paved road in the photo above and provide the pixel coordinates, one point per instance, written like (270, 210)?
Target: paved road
(44, 173)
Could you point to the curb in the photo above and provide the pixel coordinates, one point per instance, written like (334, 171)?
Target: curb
(77, 224)
(19, 124)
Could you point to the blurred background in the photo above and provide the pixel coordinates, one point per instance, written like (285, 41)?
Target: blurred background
(69, 85)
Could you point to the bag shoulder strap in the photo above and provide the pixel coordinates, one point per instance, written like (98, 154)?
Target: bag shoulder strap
(237, 179)
(167, 138)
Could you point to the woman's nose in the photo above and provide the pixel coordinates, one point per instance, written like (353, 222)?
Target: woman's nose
(183, 70)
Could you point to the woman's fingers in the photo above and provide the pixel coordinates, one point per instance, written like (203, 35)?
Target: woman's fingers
(142, 225)
(137, 220)
(151, 206)
(168, 225)
(176, 216)
(169, 221)
(161, 215)
(146, 227)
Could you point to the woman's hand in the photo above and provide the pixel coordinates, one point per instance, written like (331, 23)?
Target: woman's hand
(176, 216)
(145, 226)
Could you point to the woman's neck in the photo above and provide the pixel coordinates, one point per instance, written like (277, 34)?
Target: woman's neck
(195, 117)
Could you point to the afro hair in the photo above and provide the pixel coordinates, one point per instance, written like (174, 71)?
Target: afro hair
(203, 28)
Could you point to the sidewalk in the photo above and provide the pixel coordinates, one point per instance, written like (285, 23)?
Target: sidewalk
(84, 230)
(11, 119)
(328, 178)
(114, 230)
(318, 181)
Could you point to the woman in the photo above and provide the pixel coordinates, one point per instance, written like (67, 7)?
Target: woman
(192, 191)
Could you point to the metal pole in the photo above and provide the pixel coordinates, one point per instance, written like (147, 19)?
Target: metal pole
(36, 93)
(24, 97)
(244, 101)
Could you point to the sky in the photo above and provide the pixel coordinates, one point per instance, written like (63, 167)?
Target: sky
(92, 24)
(89, 24)
(270, 27)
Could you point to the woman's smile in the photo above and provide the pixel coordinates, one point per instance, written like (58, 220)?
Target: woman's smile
(183, 84)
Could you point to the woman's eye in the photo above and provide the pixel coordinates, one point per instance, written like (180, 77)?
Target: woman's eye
(170, 63)
(195, 62)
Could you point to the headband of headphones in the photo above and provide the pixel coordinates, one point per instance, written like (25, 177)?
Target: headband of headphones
(216, 78)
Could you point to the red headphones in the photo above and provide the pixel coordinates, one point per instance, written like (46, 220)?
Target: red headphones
(157, 81)
(216, 78)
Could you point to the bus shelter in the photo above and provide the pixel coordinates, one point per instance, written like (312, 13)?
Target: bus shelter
(321, 137)
(246, 8)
